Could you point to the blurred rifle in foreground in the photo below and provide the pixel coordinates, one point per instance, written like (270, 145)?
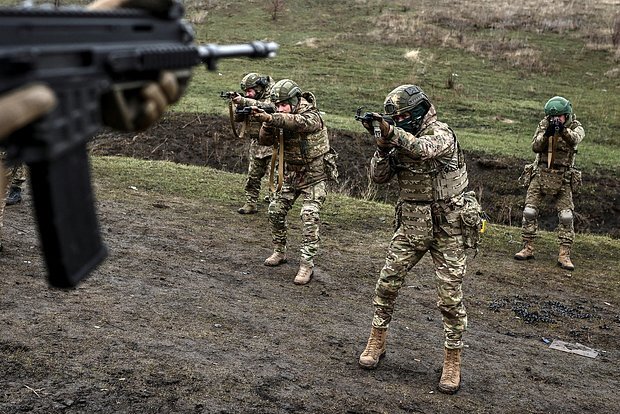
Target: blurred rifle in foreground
(87, 58)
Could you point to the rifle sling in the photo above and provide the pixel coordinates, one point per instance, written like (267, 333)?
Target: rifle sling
(231, 114)
(279, 154)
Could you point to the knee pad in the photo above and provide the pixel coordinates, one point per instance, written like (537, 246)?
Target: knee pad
(566, 217)
(530, 213)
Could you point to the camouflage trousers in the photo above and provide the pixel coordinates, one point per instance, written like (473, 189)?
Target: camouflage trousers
(260, 160)
(17, 175)
(562, 197)
(448, 256)
(313, 199)
(5, 184)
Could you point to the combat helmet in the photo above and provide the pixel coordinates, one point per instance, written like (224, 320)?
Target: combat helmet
(558, 106)
(255, 81)
(285, 91)
(407, 99)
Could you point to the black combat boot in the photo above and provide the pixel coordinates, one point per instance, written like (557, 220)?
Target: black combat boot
(14, 196)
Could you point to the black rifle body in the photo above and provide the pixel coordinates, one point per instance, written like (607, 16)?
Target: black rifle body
(85, 56)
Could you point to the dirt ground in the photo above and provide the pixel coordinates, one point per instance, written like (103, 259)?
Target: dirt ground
(184, 318)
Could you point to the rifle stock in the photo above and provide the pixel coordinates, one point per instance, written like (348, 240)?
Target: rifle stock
(85, 56)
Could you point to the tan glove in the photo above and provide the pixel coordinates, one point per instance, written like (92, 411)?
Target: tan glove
(260, 115)
(157, 7)
(383, 142)
(137, 110)
(21, 106)
(237, 99)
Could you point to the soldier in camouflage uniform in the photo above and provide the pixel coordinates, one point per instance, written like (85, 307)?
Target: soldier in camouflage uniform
(552, 174)
(257, 89)
(305, 144)
(17, 176)
(425, 156)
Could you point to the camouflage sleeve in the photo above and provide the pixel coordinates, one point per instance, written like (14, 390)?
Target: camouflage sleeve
(574, 134)
(436, 142)
(381, 170)
(266, 135)
(309, 121)
(249, 102)
(539, 141)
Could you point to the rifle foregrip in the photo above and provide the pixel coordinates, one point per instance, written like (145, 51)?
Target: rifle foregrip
(65, 210)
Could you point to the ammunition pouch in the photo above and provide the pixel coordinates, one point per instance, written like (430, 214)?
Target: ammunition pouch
(331, 168)
(526, 176)
(550, 180)
(416, 222)
(471, 216)
(575, 179)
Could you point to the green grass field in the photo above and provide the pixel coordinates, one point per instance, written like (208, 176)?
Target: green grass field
(489, 74)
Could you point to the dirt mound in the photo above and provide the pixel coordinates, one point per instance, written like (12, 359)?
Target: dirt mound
(207, 140)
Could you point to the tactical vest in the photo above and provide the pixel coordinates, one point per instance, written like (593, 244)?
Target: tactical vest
(426, 181)
(303, 147)
(564, 156)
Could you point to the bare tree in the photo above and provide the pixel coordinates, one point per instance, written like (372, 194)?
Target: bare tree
(276, 7)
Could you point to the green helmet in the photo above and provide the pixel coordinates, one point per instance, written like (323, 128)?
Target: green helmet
(255, 81)
(407, 99)
(558, 106)
(285, 90)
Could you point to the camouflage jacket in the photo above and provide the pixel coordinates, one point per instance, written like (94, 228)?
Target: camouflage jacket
(251, 128)
(305, 143)
(422, 162)
(567, 143)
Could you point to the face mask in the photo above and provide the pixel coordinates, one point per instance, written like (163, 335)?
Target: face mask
(413, 123)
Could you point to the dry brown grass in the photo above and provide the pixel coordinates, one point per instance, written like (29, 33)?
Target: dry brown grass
(458, 25)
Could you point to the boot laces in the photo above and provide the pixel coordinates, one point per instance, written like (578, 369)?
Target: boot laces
(372, 346)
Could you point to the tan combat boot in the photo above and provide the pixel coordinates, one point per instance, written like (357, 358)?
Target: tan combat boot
(564, 258)
(304, 273)
(450, 381)
(276, 259)
(248, 208)
(375, 348)
(527, 252)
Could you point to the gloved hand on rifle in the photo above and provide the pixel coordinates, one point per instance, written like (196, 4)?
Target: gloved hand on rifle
(555, 126)
(20, 107)
(145, 106)
(237, 99)
(260, 115)
(384, 142)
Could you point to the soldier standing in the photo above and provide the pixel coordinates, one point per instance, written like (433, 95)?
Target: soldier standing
(256, 88)
(552, 174)
(300, 132)
(425, 156)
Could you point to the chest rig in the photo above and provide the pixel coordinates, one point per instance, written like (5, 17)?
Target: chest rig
(429, 180)
(302, 147)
